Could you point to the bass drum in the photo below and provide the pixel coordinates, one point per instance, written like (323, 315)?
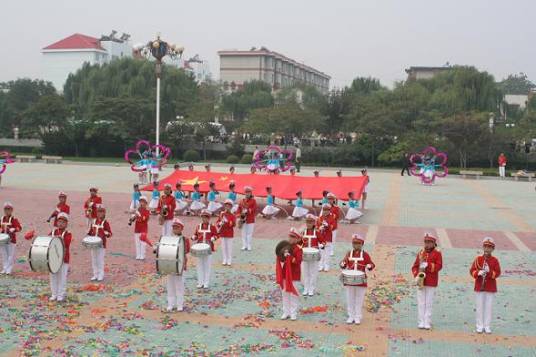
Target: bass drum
(170, 254)
(46, 254)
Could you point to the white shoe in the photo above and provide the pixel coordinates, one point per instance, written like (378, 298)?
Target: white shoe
(52, 298)
(100, 278)
(205, 286)
(487, 330)
(479, 330)
(60, 299)
(243, 248)
(421, 326)
(357, 321)
(199, 286)
(2, 272)
(349, 321)
(427, 327)
(249, 248)
(169, 309)
(320, 269)
(94, 278)
(326, 269)
(310, 293)
(284, 317)
(293, 317)
(180, 309)
(304, 293)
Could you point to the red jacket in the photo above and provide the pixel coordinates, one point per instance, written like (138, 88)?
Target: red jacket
(60, 207)
(208, 231)
(141, 224)
(67, 238)
(101, 228)
(227, 229)
(251, 206)
(92, 203)
(325, 227)
(348, 263)
(169, 201)
(316, 238)
(490, 282)
(295, 262)
(435, 263)
(10, 226)
(337, 214)
(502, 160)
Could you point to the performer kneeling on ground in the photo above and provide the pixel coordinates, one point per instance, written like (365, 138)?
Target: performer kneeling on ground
(213, 206)
(248, 209)
(325, 224)
(425, 269)
(287, 272)
(311, 239)
(100, 228)
(180, 199)
(485, 270)
(141, 227)
(225, 228)
(166, 210)
(205, 232)
(175, 283)
(356, 259)
(58, 281)
(269, 210)
(299, 211)
(196, 205)
(10, 226)
(62, 206)
(353, 214)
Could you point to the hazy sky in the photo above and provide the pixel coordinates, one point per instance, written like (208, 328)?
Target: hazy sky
(343, 38)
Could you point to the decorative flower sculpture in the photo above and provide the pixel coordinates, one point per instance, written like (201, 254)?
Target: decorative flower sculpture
(429, 164)
(144, 156)
(273, 159)
(5, 159)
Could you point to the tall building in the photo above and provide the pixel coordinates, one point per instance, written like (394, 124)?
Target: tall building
(69, 54)
(238, 67)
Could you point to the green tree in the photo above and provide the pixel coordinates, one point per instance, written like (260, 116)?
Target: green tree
(466, 133)
(516, 84)
(48, 114)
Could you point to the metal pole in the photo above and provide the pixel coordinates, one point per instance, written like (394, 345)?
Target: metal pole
(158, 71)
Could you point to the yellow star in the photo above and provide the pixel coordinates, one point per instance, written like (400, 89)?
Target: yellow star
(223, 178)
(192, 182)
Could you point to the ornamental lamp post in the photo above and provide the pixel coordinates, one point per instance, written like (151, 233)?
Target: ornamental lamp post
(159, 49)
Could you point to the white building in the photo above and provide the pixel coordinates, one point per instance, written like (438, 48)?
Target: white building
(419, 72)
(68, 55)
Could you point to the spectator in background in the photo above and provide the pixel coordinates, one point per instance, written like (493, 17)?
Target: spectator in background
(256, 152)
(406, 163)
(502, 165)
(297, 155)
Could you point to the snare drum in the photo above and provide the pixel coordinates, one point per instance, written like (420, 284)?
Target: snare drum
(92, 242)
(311, 255)
(170, 255)
(4, 238)
(353, 277)
(46, 254)
(200, 250)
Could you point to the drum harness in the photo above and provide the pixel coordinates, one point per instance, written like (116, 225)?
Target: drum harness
(6, 225)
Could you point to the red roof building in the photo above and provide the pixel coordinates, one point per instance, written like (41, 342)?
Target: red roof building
(76, 42)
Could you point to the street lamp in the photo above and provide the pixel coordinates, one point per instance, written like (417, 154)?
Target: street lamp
(159, 49)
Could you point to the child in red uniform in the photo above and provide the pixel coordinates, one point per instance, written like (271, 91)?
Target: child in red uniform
(9, 225)
(175, 283)
(141, 227)
(248, 209)
(360, 260)
(325, 224)
(311, 239)
(207, 233)
(166, 209)
(91, 204)
(485, 270)
(337, 215)
(225, 226)
(99, 228)
(428, 261)
(58, 281)
(62, 206)
(288, 271)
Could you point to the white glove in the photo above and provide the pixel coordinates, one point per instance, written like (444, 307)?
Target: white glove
(12, 230)
(423, 265)
(481, 272)
(343, 265)
(287, 254)
(369, 267)
(321, 246)
(212, 239)
(138, 214)
(486, 268)
(192, 237)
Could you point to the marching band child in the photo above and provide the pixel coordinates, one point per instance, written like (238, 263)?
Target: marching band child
(299, 211)
(288, 271)
(425, 269)
(231, 170)
(175, 283)
(190, 167)
(9, 225)
(353, 214)
(62, 206)
(311, 239)
(225, 227)
(365, 189)
(180, 199)
(58, 280)
(196, 205)
(337, 214)
(232, 196)
(485, 270)
(269, 210)
(91, 204)
(155, 198)
(99, 228)
(134, 204)
(325, 224)
(166, 210)
(141, 227)
(213, 206)
(207, 233)
(356, 259)
(248, 207)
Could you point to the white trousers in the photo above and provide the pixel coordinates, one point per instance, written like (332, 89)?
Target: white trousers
(140, 246)
(310, 275)
(333, 239)
(227, 250)
(355, 296)
(203, 270)
(484, 304)
(58, 282)
(167, 227)
(325, 257)
(97, 262)
(175, 291)
(502, 171)
(247, 235)
(290, 303)
(8, 257)
(425, 301)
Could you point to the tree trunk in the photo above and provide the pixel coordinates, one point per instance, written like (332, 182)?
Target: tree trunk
(373, 154)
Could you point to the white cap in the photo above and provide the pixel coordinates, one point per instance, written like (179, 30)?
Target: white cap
(63, 215)
(228, 202)
(143, 198)
(488, 241)
(8, 204)
(248, 188)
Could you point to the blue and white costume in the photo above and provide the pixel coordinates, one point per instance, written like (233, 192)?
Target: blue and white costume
(270, 209)
(135, 202)
(232, 197)
(213, 205)
(180, 200)
(299, 211)
(196, 204)
(155, 197)
(353, 212)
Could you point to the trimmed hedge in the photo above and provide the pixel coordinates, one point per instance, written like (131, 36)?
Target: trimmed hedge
(191, 155)
(232, 159)
(246, 159)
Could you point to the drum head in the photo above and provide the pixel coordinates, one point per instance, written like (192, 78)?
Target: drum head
(310, 250)
(201, 246)
(55, 255)
(353, 272)
(4, 238)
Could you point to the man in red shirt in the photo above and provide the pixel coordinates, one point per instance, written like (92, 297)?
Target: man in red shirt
(205, 232)
(485, 270)
(428, 261)
(91, 204)
(166, 210)
(9, 225)
(502, 165)
(58, 281)
(225, 227)
(325, 224)
(288, 271)
(99, 228)
(62, 206)
(247, 212)
(141, 227)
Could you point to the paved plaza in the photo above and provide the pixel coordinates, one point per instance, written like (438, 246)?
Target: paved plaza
(239, 315)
